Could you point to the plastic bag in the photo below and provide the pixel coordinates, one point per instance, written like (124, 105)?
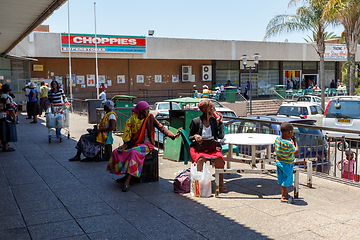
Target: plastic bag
(60, 120)
(195, 178)
(50, 120)
(200, 181)
(205, 182)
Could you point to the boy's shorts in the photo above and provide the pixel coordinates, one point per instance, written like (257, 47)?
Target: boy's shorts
(284, 173)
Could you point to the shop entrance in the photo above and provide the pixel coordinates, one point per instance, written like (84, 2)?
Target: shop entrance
(311, 78)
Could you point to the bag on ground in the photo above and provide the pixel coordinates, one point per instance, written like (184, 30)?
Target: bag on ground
(195, 179)
(182, 182)
(205, 182)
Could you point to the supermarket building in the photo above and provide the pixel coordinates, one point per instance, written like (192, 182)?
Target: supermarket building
(167, 67)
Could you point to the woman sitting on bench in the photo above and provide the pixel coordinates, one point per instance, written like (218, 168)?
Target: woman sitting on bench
(138, 137)
(90, 144)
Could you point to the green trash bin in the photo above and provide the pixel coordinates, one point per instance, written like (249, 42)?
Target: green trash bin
(281, 90)
(123, 104)
(230, 94)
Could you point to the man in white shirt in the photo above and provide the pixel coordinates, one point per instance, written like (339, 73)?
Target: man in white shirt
(103, 96)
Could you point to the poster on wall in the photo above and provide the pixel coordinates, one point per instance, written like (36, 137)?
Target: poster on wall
(120, 78)
(175, 78)
(80, 80)
(294, 76)
(108, 83)
(58, 79)
(101, 79)
(72, 78)
(90, 80)
(139, 78)
(158, 78)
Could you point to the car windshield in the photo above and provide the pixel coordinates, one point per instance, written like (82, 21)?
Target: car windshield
(166, 106)
(292, 111)
(228, 114)
(348, 109)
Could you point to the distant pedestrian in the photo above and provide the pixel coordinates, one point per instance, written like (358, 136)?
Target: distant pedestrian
(43, 97)
(285, 148)
(26, 89)
(195, 91)
(332, 87)
(222, 89)
(248, 90)
(33, 103)
(291, 85)
(102, 96)
(228, 84)
(102, 87)
(347, 173)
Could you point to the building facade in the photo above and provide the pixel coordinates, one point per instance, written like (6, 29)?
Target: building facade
(169, 67)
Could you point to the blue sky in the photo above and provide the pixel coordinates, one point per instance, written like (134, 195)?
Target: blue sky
(226, 19)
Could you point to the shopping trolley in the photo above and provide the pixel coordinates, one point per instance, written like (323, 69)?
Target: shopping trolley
(57, 116)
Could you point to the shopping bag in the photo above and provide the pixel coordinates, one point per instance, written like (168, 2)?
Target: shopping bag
(205, 182)
(195, 178)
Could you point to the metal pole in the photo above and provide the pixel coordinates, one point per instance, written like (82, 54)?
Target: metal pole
(250, 92)
(70, 79)
(96, 60)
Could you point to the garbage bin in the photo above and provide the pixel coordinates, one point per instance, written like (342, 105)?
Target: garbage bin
(230, 94)
(281, 90)
(123, 104)
(92, 105)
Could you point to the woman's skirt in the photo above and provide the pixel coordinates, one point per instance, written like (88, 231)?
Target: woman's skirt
(346, 175)
(195, 155)
(129, 161)
(8, 131)
(88, 145)
(33, 108)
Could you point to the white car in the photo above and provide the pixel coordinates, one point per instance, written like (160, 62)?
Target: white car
(342, 112)
(160, 107)
(310, 99)
(302, 109)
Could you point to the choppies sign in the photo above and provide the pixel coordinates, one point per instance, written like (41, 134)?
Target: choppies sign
(335, 52)
(105, 43)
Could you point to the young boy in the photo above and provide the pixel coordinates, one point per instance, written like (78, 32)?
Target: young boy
(285, 147)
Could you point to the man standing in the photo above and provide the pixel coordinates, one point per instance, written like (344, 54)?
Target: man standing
(43, 97)
(195, 91)
(228, 84)
(332, 87)
(102, 96)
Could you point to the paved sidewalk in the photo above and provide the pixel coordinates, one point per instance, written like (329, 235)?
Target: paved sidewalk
(44, 196)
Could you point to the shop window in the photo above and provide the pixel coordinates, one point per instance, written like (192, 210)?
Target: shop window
(222, 76)
(268, 65)
(292, 65)
(329, 65)
(267, 79)
(310, 65)
(227, 65)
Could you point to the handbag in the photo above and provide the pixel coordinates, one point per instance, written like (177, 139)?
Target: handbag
(208, 145)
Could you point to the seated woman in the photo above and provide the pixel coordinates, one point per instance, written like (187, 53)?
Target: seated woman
(138, 137)
(7, 119)
(206, 126)
(90, 144)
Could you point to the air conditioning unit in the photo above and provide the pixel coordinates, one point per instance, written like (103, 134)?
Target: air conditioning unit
(206, 73)
(186, 73)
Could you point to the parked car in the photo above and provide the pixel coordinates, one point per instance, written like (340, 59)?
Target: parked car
(163, 107)
(309, 99)
(342, 112)
(302, 109)
(311, 141)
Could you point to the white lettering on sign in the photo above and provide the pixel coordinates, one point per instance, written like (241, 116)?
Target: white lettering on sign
(105, 40)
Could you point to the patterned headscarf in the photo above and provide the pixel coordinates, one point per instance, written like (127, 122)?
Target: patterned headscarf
(205, 105)
(140, 106)
(109, 104)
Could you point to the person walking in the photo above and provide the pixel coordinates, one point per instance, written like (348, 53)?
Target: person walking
(33, 102)
(43, 97)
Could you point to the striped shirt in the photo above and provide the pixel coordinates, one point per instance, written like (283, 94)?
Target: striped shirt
(57, 98)
(284, 149)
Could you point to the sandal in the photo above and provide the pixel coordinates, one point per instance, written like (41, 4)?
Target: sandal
(10, 149)
(125, 188)
(74, 159)
(290, 200)
(223, 188)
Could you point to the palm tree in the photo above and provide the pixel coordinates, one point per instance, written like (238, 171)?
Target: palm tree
(327, 36)
(307, 18)
(347, 12)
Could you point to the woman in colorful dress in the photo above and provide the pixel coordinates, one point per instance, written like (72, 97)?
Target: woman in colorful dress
(90, 144)
(207, 126)
(7, 119)
(138, 137)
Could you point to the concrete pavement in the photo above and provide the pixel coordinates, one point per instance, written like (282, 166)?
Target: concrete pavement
(44, 196)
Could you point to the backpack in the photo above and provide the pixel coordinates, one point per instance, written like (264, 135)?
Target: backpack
(182, 182)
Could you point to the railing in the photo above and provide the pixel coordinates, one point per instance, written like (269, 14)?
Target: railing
(79, 106)
(324, 153)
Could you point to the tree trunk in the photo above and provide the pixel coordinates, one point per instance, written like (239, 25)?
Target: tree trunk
(320, 42)
(351, 81)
